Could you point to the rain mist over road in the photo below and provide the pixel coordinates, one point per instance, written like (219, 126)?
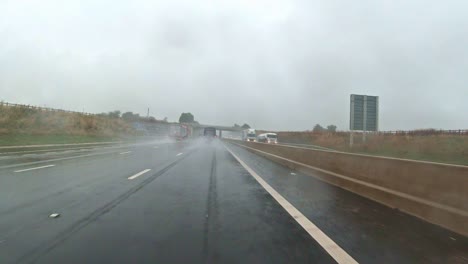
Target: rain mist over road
(272, 64)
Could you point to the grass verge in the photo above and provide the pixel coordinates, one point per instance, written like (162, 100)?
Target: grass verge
(452, 149)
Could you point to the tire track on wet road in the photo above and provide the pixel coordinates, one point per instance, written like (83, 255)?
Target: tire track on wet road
(41, 250)
(211, 224)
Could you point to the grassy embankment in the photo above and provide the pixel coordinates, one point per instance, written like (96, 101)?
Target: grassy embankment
(437, 148)
(23, 126)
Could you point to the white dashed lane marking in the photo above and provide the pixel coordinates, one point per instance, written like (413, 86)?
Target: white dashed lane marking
(138, 174)
(35, 168)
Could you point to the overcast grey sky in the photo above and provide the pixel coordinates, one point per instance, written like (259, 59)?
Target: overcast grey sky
(279, 65)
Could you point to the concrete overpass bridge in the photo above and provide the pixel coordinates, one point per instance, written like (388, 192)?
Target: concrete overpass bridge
(159, 128)
(198, 129)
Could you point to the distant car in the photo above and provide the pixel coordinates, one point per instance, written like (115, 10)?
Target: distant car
(269, 138)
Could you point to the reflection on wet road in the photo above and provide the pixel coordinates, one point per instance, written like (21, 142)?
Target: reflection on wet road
(194, 202)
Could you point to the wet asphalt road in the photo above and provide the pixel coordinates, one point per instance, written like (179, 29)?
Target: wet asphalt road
(196, 204)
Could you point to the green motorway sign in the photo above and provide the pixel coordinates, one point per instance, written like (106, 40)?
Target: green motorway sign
(364, 113)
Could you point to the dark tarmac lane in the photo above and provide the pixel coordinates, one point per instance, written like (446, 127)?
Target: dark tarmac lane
(193, 202)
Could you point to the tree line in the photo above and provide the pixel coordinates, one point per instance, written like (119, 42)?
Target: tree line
(130, 116)
(319, 128)
(133, 117)
(244, 126)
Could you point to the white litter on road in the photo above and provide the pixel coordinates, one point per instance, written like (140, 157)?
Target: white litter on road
(55, 215)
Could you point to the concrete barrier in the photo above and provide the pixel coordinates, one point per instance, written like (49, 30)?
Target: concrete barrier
(435, 192)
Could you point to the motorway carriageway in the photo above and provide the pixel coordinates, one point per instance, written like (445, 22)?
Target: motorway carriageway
(197, 202)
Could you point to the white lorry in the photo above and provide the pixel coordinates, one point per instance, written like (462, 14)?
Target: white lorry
(249, 135)
(269, 138)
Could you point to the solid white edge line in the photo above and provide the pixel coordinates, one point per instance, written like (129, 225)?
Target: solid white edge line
(35, 168)
(335, 251)
(138, 174)
(126, 152)
(179, 154)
